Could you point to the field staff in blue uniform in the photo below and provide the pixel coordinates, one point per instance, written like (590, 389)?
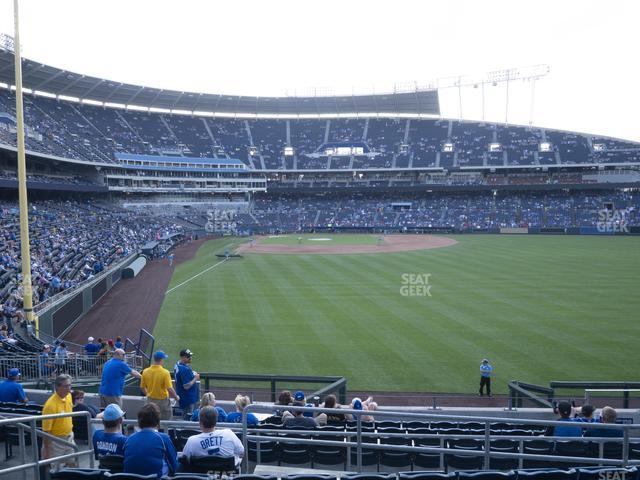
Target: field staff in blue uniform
(11, 390)
(485, 376)
(186, 383)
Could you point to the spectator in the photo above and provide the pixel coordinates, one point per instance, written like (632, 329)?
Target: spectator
(77, 396)
(297, 419)
(149, 452)
(299, 396)
(607, 416)
(60, 358)
(187, 386)
(565, 410)
(46, 368)
(586, 414)
(91, 348)
(118, 343)
(221, 443)
(485, 376)
(11, 390)
(114, 373)
(236, 417)
(110, 441)
(62, 428)
(209, 400)
(157, 386)
(333, 418)
(367, 405)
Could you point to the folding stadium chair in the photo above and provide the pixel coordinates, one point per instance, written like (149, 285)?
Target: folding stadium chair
(368, 476)
(112, 463)
(294, 454)
(128, 476)
(309, 477)
(210, 463)
(504, 446)
(324, 455)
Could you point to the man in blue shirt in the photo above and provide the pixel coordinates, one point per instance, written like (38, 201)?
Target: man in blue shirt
(186, 383)
(571, 430)
(485, 376)
(110, 441)
(149, 452)
(91, 348)
(11, 390)
(114, 373)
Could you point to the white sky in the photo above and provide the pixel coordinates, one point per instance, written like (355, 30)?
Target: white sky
(274, 47)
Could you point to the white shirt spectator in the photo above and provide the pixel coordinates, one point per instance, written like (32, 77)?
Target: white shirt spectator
(221, 443)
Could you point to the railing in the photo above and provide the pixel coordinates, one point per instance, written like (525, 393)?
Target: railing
(28, 425)
(33, 367)
(486, 452)
(336, 384)
(571, 385)
(625, 394)
(518, 391)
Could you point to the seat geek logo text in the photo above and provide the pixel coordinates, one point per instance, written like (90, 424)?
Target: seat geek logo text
(415, 285)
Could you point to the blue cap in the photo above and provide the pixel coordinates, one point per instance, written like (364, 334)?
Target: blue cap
(160, 355)
(357, 404)
(299, 396)
(13, 372)
(112, 412)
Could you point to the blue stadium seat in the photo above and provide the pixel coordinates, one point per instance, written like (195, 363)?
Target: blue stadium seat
(487, 475)
(548, 474)
(368, 476)
(129, 476)
(309, 477)
(78, 474)
(610, 473)
(426, 475)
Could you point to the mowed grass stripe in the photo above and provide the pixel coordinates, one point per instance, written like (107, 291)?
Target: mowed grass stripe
(543, 308)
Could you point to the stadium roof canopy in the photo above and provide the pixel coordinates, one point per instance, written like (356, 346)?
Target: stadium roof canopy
(39, 77)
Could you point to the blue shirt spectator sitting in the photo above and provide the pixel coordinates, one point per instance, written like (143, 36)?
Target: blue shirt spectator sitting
(236, 417)
(11, 390)
(608, 416)
(110, 441)
(208, 400)
(149, 452)
(571, 430)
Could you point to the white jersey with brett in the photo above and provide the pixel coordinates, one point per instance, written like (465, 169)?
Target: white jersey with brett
(219, 443)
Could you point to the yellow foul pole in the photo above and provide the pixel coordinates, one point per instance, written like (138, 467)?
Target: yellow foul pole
(27, 290)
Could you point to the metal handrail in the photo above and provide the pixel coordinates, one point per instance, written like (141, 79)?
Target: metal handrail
(37, 462)
(486, 453)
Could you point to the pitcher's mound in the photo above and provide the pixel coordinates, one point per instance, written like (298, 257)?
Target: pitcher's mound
(388, 243)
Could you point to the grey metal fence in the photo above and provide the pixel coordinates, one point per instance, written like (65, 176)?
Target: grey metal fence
(34, 367)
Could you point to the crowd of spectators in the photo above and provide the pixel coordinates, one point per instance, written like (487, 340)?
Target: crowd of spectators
(71, 241)
(95, 134)
(438, 210)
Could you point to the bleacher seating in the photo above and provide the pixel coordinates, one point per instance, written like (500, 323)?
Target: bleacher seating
(95, 134)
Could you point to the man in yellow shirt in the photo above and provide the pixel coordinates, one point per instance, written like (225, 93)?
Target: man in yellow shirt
(157, 386)
(62, 428)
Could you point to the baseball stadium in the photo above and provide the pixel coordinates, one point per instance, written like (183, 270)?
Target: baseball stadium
(366, 287)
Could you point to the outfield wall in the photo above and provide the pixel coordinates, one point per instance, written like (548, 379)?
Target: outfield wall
(63, 311)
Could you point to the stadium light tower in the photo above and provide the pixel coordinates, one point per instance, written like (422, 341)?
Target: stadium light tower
(27, 290)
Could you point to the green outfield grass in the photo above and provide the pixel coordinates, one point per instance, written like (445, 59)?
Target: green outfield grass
(320, 239)
(540, 308)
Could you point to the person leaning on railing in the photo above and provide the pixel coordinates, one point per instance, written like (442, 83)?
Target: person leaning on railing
(62, 428)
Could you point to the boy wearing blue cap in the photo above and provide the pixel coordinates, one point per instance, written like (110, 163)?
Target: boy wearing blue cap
(110, 441)
(11, 390)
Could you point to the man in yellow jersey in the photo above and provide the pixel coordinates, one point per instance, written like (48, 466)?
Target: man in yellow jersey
(62, 428)
(156, 385)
